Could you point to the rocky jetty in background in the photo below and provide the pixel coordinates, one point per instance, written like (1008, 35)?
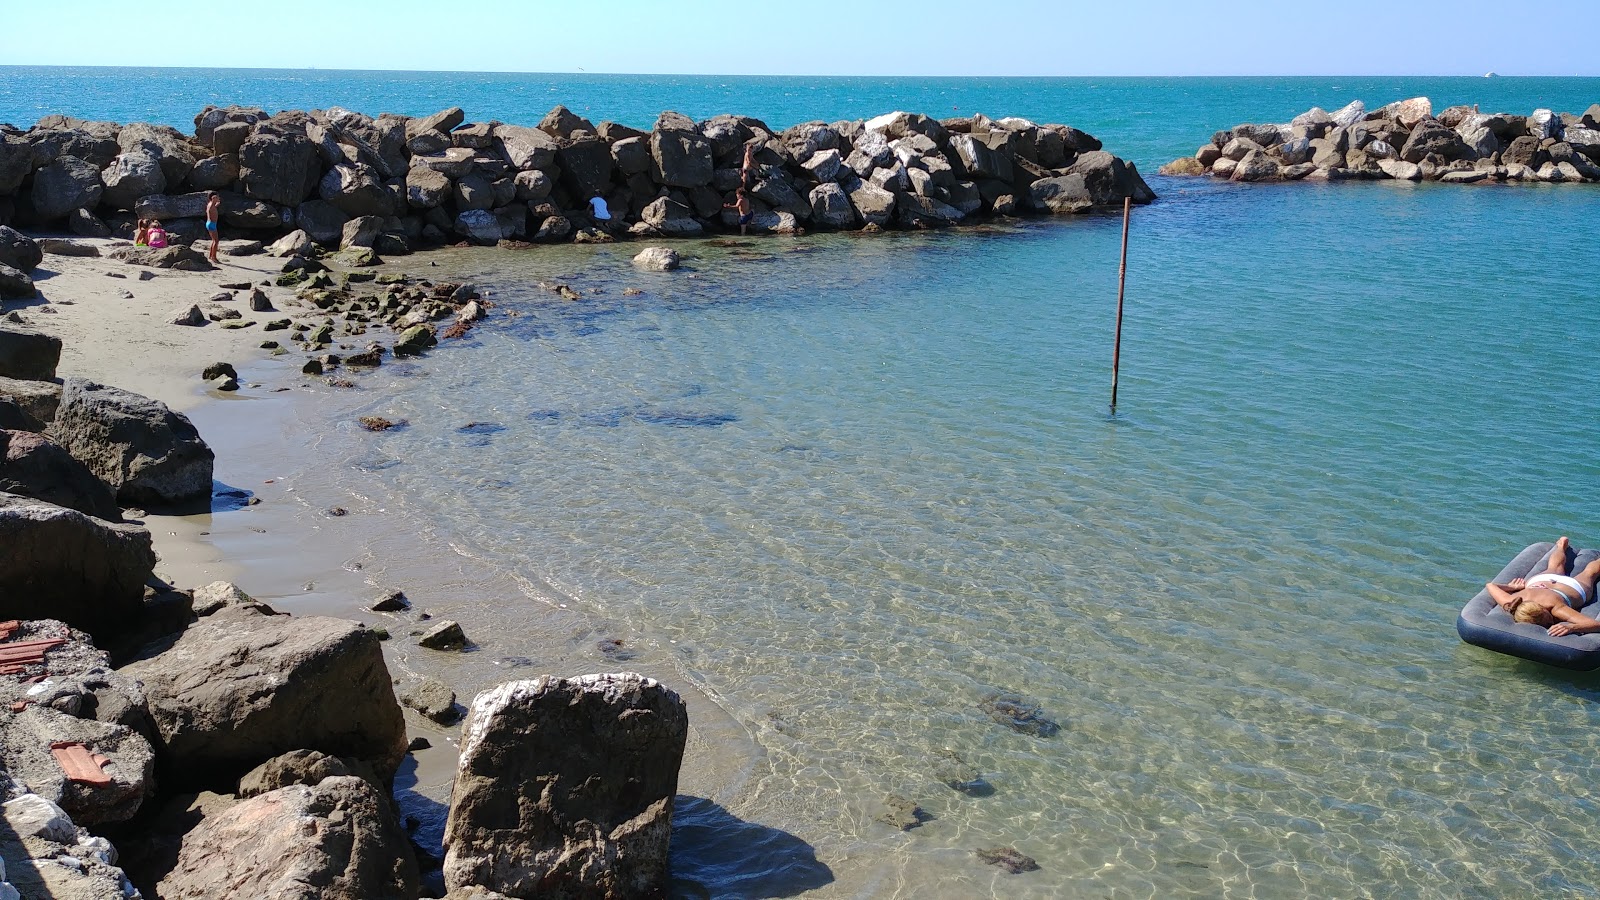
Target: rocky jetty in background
(1406, 141)
(395, 183)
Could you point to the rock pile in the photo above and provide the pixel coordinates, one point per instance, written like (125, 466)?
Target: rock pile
(394, 183)
(1406, 141)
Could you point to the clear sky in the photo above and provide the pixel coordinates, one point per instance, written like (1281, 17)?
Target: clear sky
(927, 37)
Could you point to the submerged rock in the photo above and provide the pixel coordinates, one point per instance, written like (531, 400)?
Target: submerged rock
(1019, 713)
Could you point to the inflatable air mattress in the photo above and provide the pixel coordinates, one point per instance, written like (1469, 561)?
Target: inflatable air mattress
(1486, 625)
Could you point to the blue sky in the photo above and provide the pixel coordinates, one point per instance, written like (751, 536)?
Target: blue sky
(928, 37)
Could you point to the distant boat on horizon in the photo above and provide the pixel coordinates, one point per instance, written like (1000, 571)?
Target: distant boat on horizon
(1490, 75)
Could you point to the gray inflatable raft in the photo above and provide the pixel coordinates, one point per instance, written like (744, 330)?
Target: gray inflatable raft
(1486, 625)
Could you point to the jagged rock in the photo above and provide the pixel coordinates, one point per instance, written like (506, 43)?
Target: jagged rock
(307, 767)
(219, 595)
(1543, 125)
(442, 122)
(150, 455)
(1406, 112)
(657, 259)
(39, 399)
(14, 283)
(189, 315)
(1400, 170)
(240, 687)
(32, 466)
(586, 167)
(525, 148)
(64, 247)
(1256, 166)
(27, 354)
(632, 155)
(570, 782)
(358, 191)
(426, 188)
(214, 173)
(336, 840)
(680, 156)
(561, 122)
(259, 301)
(1431, 137)
(830, 206)
(62, 564)
(64, 185)
(1065, 194)
(670, 218)
(86, 224)
(19, 251)
(360, 232)
(295, 243)
(47, 856)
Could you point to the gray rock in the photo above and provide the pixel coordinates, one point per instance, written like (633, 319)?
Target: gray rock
(214, 173)
(32, 466)
(873, 203)
(130, 176)
(19, 251)
(830, 206)
(1256, 166)
(64, 247)
(39, 399)
(1542, 125)
(426, 188)
(441, 122)
(1400, 170)
(569, 782)
(632, 155)
(562, 123)
(358, 191)
(306, 767)
(67, 184)
(480, 226)
(189, 315)
(278, 168)
(657, 259)
(27, 354)
(47, 856)
(670, 218)
(181, 258)
(240, 687)
(532, 186)
(429, 696)
(681, 157)
(444, 635)
(323, 221)
(336, 840)
(1065, 194)
(219, 595)
(1349, 114)
(525, 148)
(295, 243)
(62, 564)
(151, 456)
(26, 738)
(1478, 136)
(259, 301)
(414, 340)
(362, 231)
(86, 224)
(586, 167)
(474, 192)
(1430, 137)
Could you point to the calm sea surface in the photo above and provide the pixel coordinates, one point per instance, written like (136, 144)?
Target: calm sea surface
(849, 487)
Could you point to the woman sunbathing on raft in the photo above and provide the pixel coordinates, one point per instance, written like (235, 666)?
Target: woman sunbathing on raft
(1551, 599)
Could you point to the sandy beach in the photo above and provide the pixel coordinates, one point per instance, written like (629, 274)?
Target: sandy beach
(308, 544)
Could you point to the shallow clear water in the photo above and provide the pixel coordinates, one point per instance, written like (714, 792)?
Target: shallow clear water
(849, 487)
(853, 486)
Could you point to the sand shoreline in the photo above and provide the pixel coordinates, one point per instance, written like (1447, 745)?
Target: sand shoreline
(281, 438)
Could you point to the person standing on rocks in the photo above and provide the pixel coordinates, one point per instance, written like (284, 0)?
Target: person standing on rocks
(748, 170)
(741, 205)
(213, 212)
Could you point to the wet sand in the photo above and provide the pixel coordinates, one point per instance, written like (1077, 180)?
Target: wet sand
(287, 439)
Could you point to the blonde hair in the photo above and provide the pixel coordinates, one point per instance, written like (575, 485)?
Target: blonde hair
(1527, 612)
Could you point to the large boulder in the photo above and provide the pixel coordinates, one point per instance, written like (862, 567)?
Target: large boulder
(163, 143)
(671, 218)
(132, 175)
(323, 221)
(426, 188)
(525, 148)
(1477, 134)
(27, 354)
(1062, 194)
(336, 840)
(150, 455)
(830, 206)
(1430, 137)
(278, 168)
(586, 167)
(16, 163)
(564, 788)
(177, 256)
(67, 184)
(562, 123)
(358, 190)
(62, 564)
(657, 259)
(18, 250)
(32, 466)
(680, 156)
(241, 687)
(480, 226)
(875, 204)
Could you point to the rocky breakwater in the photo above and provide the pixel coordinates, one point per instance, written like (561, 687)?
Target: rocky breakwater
(396, 183)
(1406, 141)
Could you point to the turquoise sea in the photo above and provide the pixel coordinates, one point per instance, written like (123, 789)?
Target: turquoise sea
(850, 487)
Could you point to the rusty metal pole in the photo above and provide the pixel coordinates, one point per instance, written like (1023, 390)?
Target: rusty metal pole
(1122, 282)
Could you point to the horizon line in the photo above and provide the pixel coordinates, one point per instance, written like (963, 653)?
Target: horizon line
(1488, 73)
